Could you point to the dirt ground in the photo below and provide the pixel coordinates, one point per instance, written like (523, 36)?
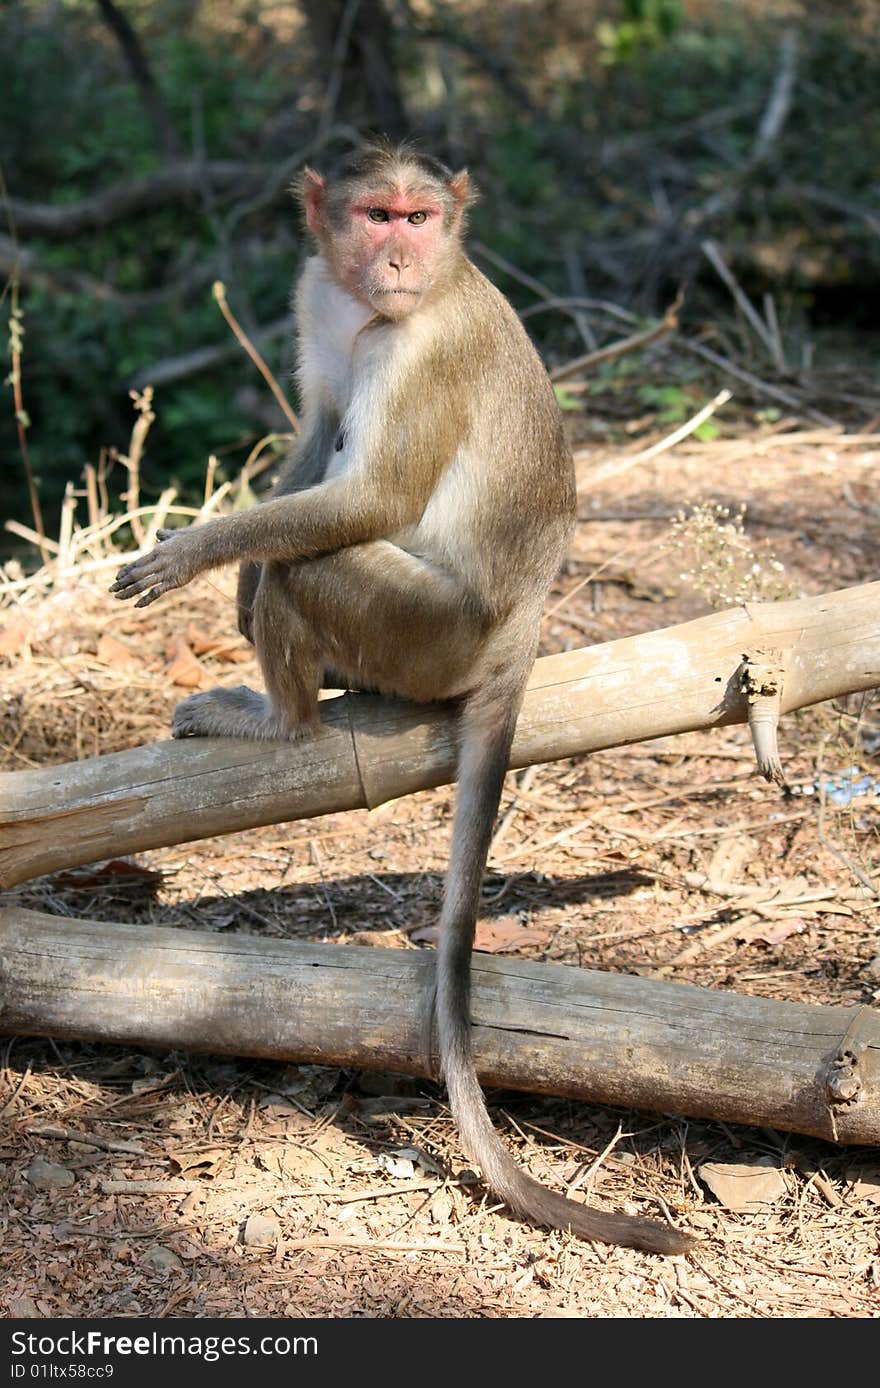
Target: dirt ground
(332, 1193)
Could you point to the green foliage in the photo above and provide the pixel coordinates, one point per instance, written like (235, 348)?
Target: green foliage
(646, 24)
(565, 399)
(621, 126)
(43, 92)
(670, 401)
(675, 404)
(81, 351)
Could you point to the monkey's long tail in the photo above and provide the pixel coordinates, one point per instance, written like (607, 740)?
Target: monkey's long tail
(485, 739)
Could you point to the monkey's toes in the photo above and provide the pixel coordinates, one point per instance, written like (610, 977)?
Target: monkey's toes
(188, 719)
(225, 712)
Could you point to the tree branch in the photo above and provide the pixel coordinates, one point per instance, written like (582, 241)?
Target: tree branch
(123, 31)
(179, 182)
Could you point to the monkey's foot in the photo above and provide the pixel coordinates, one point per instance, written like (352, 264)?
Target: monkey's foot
(238, 712)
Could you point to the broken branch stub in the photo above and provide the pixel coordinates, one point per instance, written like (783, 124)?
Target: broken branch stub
(761, 680)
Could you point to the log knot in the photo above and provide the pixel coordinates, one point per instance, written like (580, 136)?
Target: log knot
(844, 1079)
(843, 1082)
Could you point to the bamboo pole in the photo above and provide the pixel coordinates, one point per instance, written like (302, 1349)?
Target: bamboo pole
(546, 1028)
(370, 750)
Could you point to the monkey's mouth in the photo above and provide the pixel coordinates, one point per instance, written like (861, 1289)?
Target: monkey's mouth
(395, 301)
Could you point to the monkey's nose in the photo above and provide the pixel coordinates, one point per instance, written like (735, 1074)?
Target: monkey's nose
(399, 261)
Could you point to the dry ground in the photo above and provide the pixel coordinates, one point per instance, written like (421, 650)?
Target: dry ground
(383, 1234)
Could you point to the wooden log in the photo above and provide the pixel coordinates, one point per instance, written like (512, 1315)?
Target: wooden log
(546, 1028)
(370, 750)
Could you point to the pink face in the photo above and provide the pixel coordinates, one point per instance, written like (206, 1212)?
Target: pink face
(393, 246)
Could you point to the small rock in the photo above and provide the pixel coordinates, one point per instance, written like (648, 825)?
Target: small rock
(872, 968)
(162, 1259)
(261, 1231)
(865, 1184)
(23, 1306)
(751, 1187)
(277, 1106)
(47, 1175)
(442, 1207)
(402, 1168)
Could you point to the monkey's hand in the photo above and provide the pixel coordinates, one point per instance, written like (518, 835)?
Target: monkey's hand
(173, 563)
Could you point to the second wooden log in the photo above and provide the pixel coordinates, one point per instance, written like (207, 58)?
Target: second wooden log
(546, 1028)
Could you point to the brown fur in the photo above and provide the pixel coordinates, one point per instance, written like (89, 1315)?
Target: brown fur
(408, 546)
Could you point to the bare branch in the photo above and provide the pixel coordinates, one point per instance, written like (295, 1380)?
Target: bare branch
(741, 299)
(177, 182)
(786, 397)
(777, 110)
(605, 471)
(668, 324)
(184, 364)
(123, 31)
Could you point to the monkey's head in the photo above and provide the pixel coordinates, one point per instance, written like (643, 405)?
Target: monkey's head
(389, 222)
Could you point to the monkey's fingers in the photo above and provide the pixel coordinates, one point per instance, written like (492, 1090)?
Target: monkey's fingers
(154, 592)
(145, 576)
(134, 578)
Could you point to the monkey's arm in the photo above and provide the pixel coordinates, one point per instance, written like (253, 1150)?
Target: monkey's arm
(307, 461)
(304, 467)
(367, 505)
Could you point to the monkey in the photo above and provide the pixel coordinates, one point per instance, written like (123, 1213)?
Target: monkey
(407, 548)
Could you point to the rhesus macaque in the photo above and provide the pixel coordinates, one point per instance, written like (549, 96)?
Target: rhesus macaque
(407, 548)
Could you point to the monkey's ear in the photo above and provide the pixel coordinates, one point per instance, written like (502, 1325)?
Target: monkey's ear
(464, 193)
(311, 192)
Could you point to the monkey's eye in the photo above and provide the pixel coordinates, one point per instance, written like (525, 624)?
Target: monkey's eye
(377, 214)
(417, 218)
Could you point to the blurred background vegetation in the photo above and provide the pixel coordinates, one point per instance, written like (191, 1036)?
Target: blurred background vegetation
(147, 149)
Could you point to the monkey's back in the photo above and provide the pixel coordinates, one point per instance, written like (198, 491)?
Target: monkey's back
(504, 506)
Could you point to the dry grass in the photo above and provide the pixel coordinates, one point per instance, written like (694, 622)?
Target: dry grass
(598, 856)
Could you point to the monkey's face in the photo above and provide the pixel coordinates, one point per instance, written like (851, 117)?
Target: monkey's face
(388, 241)
(394, 248)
